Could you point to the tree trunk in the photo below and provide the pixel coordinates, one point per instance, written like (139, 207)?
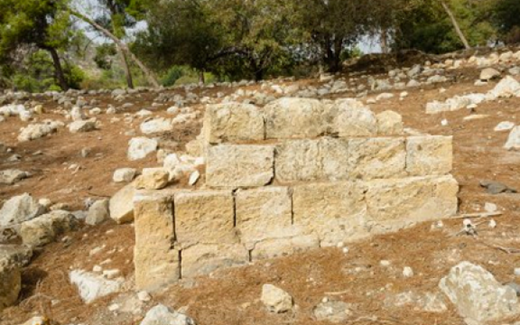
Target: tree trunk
(126, 67)
(58, 70)
(456, 25)
(384, 41)
(149, 75)
(201, 78)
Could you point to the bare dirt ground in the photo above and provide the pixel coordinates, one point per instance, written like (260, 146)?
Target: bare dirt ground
(231, 297)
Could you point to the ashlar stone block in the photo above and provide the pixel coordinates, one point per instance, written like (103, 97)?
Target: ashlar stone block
(205, 258)
(429, 155)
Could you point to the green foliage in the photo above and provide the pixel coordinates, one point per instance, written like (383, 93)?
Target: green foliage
(507, 19)
(172, 75)
(104, 56)
(37, 74)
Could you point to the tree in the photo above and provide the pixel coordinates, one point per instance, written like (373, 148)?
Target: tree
(37, 23)
(506, 18)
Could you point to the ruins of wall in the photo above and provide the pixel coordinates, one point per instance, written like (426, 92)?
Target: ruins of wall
(295, 175)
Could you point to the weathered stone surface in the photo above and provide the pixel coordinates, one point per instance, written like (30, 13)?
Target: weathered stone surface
(263, 213)
(477, 295)
(204, 217)
(298, 160)
(334, 211)
(152, 179)
(332, 161)
(10, 284)
(162, 315)
(121, 205)
(275, 299)
(18, 255)
(376, 158)
(156, 125)
(82, 126)
(271, 248)
(139, 148)
(36, 131)
(504, 126)
(351, 119)
(124, 175)
(507, 87)
(429, 155)
(332, 311)
(156, 261)
(12, 176)
(389, 123)
(239, 165)
(289, 118)
(44, 229)
(395, 203)
(489, 74)
(513, 140)
(233, 122)
(19, 209)
(98, 213)
(205, 258)
(92, 286)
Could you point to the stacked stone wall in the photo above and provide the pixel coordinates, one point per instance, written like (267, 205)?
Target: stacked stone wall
(295, 175)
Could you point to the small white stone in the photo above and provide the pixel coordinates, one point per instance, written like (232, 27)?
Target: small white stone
(492, 224)
(113, 307)
(444, 122)
(194, 177)
(325, 300)
(143, 296)
(97, 268)
(407, 272)
(111, 274)
(340, 244)
(517, 271)
(490, 207)
(384, 263)
(345, 250)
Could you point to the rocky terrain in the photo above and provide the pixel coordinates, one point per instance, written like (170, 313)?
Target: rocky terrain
(67, 238)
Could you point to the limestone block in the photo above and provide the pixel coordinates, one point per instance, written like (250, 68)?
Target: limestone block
(10, 284)
(298, 160)
(334, 159)
(389, 123)
(46, 228)
(271, 248)
(233, 122)
(377, 158)
(239, 165)
(334, 211)
(204, 217)
(156, 261)
(429, 155)
(121, 206)
(353, 120)
(206, 258)
(263, 213)
(395, 203)
(294, 118)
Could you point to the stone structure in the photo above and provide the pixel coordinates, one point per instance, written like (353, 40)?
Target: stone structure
(295, 175)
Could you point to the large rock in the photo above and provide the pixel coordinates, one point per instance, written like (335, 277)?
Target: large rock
(332, 311)
(156, 261)
(10, 284)
(263, 213)
(36, 131)
(334, 211)
(233, 122)
(162, 315)
(239, 165)
(12, 176)
(124, 175)
(152, 179)
(351, 119)
(205, 217)
(98, 213)
(489, 74)
(477, 295)
(121, 205)
(389, 123)
(93, 286)
(271, 248)
(288, 118)
(396, 203)
(429, 155)
(18, 255)
(46, 228)
(82, 126)
(157, 125)
(203, 259)
(19, 209)
(275, 299)
(507, 87)
(513, 141)
(139, 148)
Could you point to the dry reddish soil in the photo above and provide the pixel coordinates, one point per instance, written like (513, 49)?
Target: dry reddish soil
(231, 297)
